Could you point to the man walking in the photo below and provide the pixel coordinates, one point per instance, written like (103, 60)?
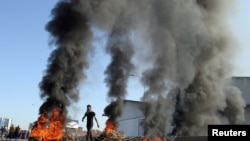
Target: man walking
(90, 116)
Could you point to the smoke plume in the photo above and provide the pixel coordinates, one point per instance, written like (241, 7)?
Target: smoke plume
(71, 35)
(118, 71)
(190, 46)
(118, 19)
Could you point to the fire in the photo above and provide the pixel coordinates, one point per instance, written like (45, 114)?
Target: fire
(154, 139)
(109, 126)
(49, 128)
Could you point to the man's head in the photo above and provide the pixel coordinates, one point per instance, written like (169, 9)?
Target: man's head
(89, 107)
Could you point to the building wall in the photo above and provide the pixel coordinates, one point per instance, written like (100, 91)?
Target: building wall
(243, 83)
(131, 110)
(247, 115)
(132, 115)
(5, 122)
(131, 118)
(131, 127)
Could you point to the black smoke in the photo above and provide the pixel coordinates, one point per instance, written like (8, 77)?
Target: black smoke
(71, 35)
(118, 71)
(187, 44)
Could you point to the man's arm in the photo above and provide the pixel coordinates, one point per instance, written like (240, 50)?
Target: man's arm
(84, 117)
(97, 122)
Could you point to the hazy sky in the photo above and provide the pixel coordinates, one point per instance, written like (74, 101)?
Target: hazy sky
(24, 51)
(240, 23)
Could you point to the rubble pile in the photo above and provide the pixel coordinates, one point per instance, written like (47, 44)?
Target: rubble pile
(115, 135)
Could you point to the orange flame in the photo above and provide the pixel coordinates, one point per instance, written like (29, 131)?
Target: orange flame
(49, 129)
(154, 139)
(109, 126)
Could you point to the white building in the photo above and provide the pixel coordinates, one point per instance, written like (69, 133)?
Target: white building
(71, 123)
(243, 83)
(5, 122)
(132, 116)
(130, 122)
